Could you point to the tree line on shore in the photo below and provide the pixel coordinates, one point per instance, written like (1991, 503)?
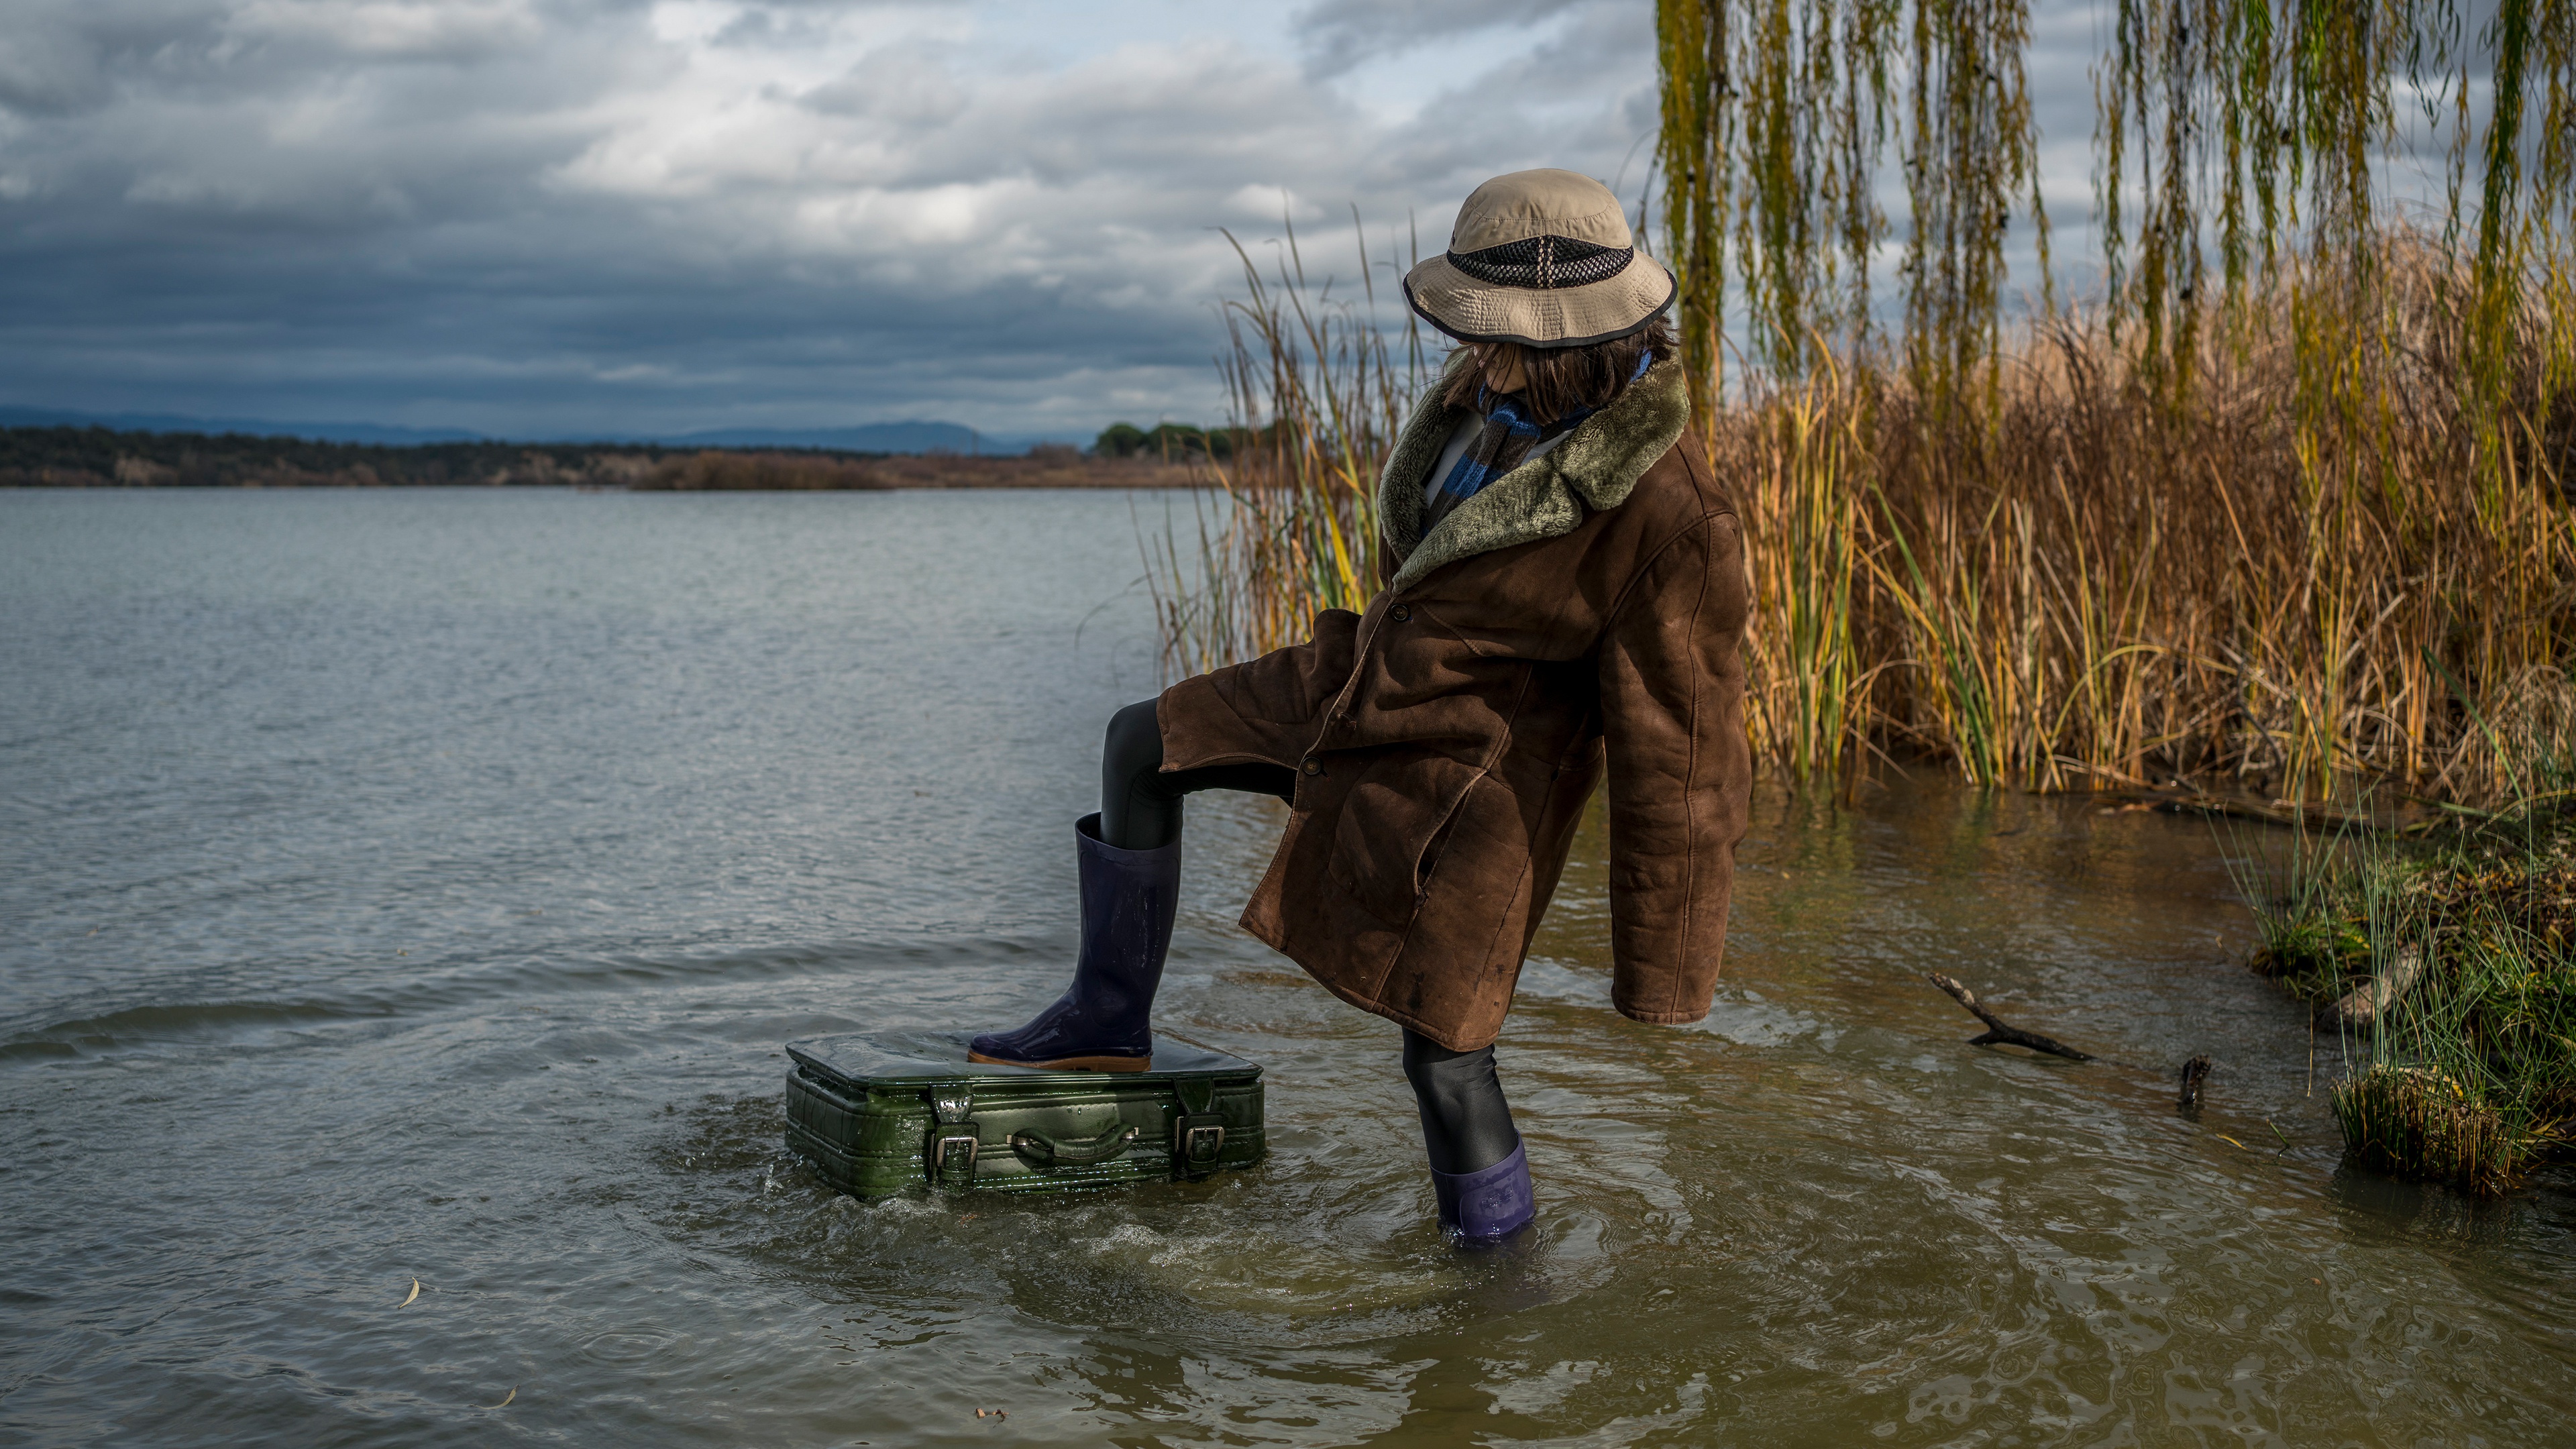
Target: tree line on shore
(1174, 442)
(95, 457)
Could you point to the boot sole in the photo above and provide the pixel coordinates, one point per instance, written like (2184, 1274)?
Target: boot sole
(1077, 1064)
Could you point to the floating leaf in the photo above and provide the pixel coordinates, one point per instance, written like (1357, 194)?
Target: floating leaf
(415, 1293)
(2241, 1147)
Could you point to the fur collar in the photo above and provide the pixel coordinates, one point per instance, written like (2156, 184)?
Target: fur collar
(1595, 468)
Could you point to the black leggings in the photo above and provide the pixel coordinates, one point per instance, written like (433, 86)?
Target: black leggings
(1140, 806)
(1466, 1124)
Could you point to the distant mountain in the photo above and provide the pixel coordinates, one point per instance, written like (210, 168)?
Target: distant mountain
(905, 437)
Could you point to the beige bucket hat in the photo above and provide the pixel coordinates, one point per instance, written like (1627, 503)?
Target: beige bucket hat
(1542, 258)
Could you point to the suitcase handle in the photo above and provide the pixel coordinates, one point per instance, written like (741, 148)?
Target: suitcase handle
(1044, 1153)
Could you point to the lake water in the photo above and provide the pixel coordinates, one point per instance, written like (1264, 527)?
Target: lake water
(408, 886)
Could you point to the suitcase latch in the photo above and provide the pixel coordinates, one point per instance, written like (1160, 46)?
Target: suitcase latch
(1198, 1129)
(1196, 1143)
(953, 1158)
(956, 1139)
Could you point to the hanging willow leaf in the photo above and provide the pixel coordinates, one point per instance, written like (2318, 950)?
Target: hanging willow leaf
(1777, 117)
(2270, 127)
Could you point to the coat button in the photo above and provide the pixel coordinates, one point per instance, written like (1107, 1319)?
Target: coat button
(1400, 613)
(1312, 766)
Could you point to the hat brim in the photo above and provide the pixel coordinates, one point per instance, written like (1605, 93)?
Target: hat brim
(1474, 311)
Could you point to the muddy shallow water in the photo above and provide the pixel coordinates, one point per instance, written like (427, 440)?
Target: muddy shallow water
(418, 885)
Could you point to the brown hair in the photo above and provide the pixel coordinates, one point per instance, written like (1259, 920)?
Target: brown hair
(1563, 380)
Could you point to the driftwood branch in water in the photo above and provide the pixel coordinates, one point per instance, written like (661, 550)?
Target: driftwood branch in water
(2194, 1072)
(2308, 816)
(2000, 1033)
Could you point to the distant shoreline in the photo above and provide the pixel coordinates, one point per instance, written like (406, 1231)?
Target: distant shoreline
(74, 457)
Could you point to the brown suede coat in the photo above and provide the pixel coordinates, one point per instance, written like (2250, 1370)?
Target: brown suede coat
(1589, 603)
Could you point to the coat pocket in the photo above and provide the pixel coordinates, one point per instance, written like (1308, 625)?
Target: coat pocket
(1391, 822)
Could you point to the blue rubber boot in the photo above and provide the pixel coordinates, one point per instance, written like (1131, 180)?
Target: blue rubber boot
(1103, 1022)
(1489, 1204)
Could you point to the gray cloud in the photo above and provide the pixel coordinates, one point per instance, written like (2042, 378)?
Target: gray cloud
(553, 216)
(1340, 34)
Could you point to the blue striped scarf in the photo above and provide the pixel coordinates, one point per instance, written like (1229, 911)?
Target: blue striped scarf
(1502, 445)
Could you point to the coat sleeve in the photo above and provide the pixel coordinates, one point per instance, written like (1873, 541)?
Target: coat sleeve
(1672, 705)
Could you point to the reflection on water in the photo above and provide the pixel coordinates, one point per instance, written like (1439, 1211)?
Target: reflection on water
(420, 884)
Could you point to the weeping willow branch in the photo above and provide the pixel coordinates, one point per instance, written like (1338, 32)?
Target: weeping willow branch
(1972, 154)
(1778, 115)
(2268, 129)
(2308, 433)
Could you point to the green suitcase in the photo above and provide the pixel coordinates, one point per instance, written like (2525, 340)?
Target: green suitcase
(878, 1114)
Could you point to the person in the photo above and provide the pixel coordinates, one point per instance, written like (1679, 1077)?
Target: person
(1564, 598)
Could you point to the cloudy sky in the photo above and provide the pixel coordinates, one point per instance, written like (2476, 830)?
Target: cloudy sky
(590, 217)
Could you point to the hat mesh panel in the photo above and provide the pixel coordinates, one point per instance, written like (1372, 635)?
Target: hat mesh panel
(1544, 262)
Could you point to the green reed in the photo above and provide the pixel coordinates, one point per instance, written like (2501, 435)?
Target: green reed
(2085, 583)
(2165, 532)
(2089, 582)
(2236, 520)
(2285, 509)
(1318, 391)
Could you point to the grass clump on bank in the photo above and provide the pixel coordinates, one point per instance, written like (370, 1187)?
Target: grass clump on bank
(2449, 967)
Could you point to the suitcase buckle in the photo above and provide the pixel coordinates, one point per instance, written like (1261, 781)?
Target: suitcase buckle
(1198, 1133)
(953, 1105)
(941, 1156)
(1196, 1143)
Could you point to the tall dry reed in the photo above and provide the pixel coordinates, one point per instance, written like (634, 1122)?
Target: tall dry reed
(2284, 505)
(2090, 582)
(1318, 389)
(2087, 582)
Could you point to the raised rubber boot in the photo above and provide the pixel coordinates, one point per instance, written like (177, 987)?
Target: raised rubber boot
(1103, 1022)
(1489, 1204)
